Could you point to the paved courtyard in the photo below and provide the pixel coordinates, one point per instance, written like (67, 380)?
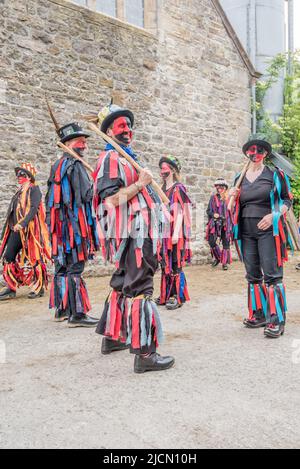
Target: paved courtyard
(230, 387)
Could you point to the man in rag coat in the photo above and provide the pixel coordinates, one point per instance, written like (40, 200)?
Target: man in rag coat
(130, 216)
(72, 229)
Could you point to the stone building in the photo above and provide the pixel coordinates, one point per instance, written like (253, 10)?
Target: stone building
(182, 71)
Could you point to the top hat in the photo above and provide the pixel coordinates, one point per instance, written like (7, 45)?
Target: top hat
(70, 131)
(110, 113)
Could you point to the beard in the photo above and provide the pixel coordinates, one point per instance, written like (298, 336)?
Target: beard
(79, 151)
(124, 138)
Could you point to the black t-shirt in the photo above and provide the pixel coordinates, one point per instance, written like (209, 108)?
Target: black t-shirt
(255, 197)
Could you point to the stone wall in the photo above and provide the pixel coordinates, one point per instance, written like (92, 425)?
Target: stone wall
(187, 86)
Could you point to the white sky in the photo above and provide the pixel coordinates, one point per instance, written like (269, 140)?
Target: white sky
(297, 23)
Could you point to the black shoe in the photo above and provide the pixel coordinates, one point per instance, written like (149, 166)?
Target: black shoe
(173, 303)
(154, 362)
(274, 331)
(83, 321)
(32, 295)
(254, 323)
(7, 294)
(297, 267)
(108, 346)
(157, 301)
(225, 267)
(60, 316)
(215, 263)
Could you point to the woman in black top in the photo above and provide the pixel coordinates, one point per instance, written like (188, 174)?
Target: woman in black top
(261, 238)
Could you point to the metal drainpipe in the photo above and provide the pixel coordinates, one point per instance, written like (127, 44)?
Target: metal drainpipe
(252, 54)
(290, 34)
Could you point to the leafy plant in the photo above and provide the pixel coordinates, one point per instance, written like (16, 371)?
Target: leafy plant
(285, 133)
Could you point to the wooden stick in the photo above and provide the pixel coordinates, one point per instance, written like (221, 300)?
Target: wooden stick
(122, 152)
(74, 154)
(238, 184)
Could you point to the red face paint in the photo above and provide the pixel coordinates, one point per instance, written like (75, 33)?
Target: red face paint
(22, 180)
(122, 130)
(165, 171)
(79, 145)
(256, 154)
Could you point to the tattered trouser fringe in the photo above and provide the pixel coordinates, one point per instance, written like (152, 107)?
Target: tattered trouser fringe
(216, 253)
(69, 295)
(268, 301)
(226, 257)
(134, 321)
(16, 276)
(171, 285)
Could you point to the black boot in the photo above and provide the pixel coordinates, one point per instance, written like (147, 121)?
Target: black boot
(274, 331)
(254, 323)
(153, 362)
(173, 303)
(225, 266)
(82, 321)
(108, 346)
(32, 295)
(215, 263)
(157, 301)
(7, 294)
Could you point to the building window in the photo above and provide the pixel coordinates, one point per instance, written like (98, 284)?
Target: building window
(108, 7)
(142, 13)
(134, 12)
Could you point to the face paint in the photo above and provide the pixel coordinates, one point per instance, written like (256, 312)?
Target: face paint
(79, 145)
(165, 171)
(221, 189)
(121, 130)
(256, 153)
(22, 180)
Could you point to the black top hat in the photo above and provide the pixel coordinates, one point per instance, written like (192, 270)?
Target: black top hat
(172, 161)
(70, 131)
(258, 140)
(110, 113)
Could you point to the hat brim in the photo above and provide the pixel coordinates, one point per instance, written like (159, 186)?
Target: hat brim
(19, 168)
(67, 138)
(262, 143)
(169, 162)
(222, 185)
(113, 116)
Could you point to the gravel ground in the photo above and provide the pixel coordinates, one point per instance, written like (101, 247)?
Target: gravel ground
(230, 388)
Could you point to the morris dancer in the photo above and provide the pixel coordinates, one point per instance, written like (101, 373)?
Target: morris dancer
(24, 242)
(219, 225)
(72, 230)
(176, 240)
(261, 237)
(129, 214)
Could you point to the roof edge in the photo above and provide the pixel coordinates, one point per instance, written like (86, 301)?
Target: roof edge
(230, 30)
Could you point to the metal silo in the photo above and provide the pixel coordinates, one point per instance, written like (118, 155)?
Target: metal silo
(261, 27)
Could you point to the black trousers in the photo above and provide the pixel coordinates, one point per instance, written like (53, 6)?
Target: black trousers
(259, 252)
(13, 247)
(131, 280)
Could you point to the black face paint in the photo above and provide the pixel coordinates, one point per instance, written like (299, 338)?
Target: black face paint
(79, 151)
(165, 175)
